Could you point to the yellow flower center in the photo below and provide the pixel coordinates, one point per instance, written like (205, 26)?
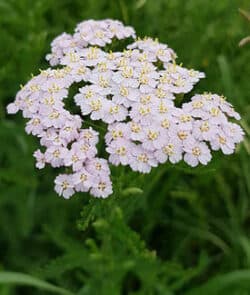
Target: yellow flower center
(54, 115)
(49, 100)
(95, 105)
(204, 127)
(56, 153)
(111, 55)
(197, 104)
(124, 91)
(160, 52)
(81, 70)
(145, 99)
(196, 151)
(102, 67)
(103, 82)
(143, 79)
(73, 57)
(143, 57)
(65, 185)
(92, 53)
(160, 93)
(88, 94)
(99, 34)
(114, 110)
(165, 123)
(179, 82)
(84, 148)
(127, 72)
(102, 186)
(36, 121)
(135, 128)
(121, 151)
(185, 118)
(182, 135)
(165, 79)
(83, 177)
(143, 158)
(87, 135)
(222, 140)
(208, 96)
(144, 111)
(127, 53)
(169, 149)
(74, 159)
(214, 112)
(123, 62)
(152, 135)
(162, 108)
(54, 88)
(98, 166)
(116, 134)
(68, 129)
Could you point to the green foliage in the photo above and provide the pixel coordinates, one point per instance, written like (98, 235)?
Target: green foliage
(176, 231)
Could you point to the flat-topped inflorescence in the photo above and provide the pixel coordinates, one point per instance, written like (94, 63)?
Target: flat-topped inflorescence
(133, 92)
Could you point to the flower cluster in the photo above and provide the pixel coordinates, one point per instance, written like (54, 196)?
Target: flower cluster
(134, 93)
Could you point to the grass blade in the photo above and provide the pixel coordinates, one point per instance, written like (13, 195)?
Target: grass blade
(223, 282)
(25, 279)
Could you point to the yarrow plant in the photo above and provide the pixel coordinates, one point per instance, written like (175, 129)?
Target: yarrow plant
(133, 92)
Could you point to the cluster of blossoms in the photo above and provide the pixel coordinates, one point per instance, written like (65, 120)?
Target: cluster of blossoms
(133, 92)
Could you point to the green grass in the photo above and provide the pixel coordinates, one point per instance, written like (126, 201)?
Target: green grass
(175, 231)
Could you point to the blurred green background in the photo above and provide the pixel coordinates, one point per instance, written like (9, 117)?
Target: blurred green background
(175, 231)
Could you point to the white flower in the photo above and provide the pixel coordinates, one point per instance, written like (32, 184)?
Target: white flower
(64, 185)
(120, 152)
(83, 180)
(102, 189)
(171, 151)
(223, 142)
(132, 92)
(142, 160)
(196, 152)
(40, 159)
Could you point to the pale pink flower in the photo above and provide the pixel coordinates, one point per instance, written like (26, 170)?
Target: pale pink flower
(132, 92)
(205, 130)
(154, 137)
(113, 112)
(83, 180)
(125, 95)
(89, 136)
(97, 166)
(12, 108)
(117, 131)
(34, 126)
(64, 185)
(183, 119)
(126, 76)
(171, 151)
(55, 156)
(50, 137)
(233, 131)
(70, 130)
(40, 159)
(196, 152)
(224, 142)
(142, 160)
(103, 188)
(120, 152)
(75, 158)
(85, 149)
(80, 72)
(136, 131)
